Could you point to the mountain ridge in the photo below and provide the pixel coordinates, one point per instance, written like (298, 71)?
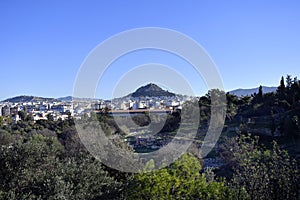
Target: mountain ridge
(248, 92)
(27, 98)
(150, 90)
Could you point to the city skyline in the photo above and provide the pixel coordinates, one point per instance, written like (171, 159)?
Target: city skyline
(43, 44)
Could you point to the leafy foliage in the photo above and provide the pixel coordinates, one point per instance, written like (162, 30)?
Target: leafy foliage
(39, 169)
(182, 180)
(260, 173)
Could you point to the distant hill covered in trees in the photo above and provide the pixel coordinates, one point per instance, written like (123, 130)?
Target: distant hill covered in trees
(151, 90)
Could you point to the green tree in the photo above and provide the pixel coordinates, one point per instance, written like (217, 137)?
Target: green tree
(181, 180)
(260, 94)
(260, 173)
(39, 169)
(22, 114)
(50, 117)
(295, 91)
(6, 138)
(232, 105)
(281, 89)
(289, 81)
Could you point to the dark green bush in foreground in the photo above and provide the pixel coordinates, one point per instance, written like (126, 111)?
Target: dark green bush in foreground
(38, 169)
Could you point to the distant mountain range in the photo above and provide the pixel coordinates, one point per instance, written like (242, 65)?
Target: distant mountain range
(25, 98)
(150, 90)
(249, 92)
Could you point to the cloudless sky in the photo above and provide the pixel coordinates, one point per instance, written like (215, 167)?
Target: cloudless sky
(43, 43)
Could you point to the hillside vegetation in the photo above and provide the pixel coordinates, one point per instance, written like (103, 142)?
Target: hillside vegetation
(258, 147)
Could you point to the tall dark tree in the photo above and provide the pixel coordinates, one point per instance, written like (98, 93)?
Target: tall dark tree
(260, 94)
(295, 80)
(289, 81)
(289, 91)
(22, 114)
(50, 117)
(295, 91)
(281, 89)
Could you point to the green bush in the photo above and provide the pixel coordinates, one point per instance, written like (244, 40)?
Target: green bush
(181, 180)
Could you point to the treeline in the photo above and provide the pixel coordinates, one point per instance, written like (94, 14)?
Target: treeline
(279, 110)
(47, 166)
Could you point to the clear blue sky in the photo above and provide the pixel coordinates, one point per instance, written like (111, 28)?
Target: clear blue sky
(43, 43)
